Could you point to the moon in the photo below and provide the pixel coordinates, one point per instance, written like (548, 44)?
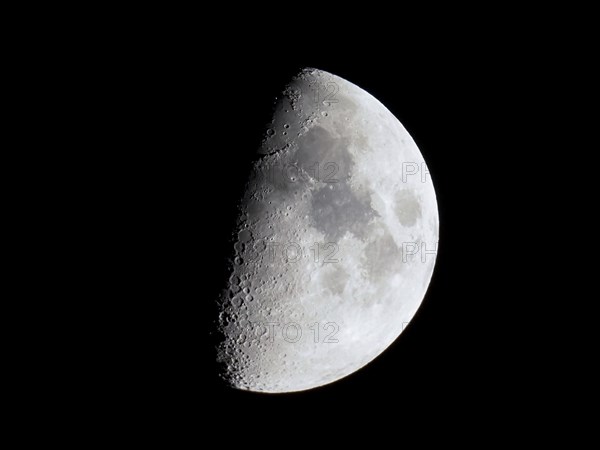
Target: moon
(335, 241)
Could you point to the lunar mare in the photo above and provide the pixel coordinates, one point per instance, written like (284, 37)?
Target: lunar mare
(335, 245)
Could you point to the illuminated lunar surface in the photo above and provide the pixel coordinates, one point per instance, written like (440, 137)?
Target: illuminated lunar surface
(335, 245)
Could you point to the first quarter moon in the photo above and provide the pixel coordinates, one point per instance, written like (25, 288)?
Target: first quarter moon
(335, 243)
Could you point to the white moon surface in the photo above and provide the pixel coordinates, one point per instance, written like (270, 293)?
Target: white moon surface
(336, 241)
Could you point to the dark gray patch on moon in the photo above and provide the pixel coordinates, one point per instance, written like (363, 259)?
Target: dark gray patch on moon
(407, 208)
(323, 156)
(336, 280)
(321, 164)
(337, 210)
(382, 257)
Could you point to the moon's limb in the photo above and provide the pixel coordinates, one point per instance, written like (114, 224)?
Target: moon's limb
(337, 237)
